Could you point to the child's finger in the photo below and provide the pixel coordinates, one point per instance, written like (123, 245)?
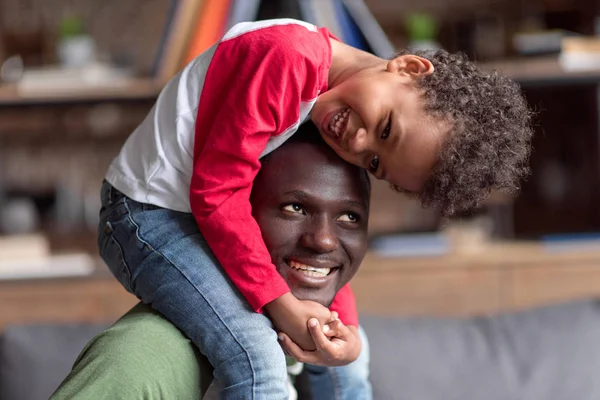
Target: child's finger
(333, 328)
(334, 315)
(321, 341)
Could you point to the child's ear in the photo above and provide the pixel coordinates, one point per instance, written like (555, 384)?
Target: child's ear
(410, 65)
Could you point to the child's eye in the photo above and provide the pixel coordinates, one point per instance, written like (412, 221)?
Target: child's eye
(348, 217)
(374, 164)
(386, 131)
(294, 208)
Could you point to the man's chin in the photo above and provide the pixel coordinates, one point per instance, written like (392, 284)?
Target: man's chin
(325, 298)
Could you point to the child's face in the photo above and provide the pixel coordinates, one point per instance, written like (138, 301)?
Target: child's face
(376, 119)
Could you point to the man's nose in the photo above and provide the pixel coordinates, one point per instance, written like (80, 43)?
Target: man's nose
(320, 236)
(360, 142)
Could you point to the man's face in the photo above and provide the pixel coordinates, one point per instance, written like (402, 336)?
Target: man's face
(312, 209)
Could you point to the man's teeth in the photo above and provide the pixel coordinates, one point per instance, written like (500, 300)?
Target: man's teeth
(309, 270)
(339, 120)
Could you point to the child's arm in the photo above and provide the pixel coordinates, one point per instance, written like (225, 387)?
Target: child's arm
(253, 90)
(344, 304)
(339, 346)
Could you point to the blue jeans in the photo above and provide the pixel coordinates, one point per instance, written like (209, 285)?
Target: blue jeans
(338, 383)
(160, 256)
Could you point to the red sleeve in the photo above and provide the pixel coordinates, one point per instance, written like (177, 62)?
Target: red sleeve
(253, 90)
(345, 305)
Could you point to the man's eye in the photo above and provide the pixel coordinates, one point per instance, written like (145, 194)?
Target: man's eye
(348, 217)
(386, 131)
(374, 164)
(294, 208)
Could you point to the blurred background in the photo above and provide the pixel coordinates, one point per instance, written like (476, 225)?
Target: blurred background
(76, 77)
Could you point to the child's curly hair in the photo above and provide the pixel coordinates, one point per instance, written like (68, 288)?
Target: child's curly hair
(489, 145)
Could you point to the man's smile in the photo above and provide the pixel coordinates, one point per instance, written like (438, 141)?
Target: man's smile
(312, 272)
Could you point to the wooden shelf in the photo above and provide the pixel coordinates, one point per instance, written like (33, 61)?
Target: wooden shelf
(501, 277)
(527, 71)
(93, 298)
(131, 90)
(541, 71)
(495, 255)
(498, 278)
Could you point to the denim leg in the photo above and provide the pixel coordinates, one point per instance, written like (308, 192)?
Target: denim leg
(350, 382)
(161, 257)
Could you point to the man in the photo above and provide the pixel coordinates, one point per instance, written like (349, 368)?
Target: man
(312, 209)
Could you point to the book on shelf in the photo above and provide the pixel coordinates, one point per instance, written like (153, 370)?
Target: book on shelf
(161, 47)
(53, 266)
(28, 256)
(425, 244)
(24, 247)
(207, 30)
(179, 26)
(241, 11)
(580, 53)
(325, 15)
(569, 242)
(351, 33)
(376, 38)
(49, 81)
(193, 26)
(279, 9)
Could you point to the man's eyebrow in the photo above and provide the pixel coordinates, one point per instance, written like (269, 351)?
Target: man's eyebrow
(354, 203)
(301, 194)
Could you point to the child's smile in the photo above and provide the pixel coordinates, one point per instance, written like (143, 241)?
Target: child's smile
(337, 123)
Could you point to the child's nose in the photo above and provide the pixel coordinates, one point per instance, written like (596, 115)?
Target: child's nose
(359, 143)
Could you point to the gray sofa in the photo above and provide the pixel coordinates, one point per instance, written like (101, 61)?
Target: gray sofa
(549, 353)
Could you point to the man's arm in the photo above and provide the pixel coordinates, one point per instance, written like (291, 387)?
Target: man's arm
(141, 356)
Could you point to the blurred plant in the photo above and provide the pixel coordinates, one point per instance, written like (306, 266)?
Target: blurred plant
(420, 26)
(422, 30)
(75, 46)
(71, 26)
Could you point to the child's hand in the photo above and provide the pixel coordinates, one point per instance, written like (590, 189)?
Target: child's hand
(337, 344)
(290, 315)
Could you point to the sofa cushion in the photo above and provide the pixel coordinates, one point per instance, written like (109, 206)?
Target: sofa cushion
(35, 359)
(549, 353)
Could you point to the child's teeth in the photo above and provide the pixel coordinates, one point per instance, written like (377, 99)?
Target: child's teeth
(338, 120)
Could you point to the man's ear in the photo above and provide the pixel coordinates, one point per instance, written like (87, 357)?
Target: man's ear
(410, 65)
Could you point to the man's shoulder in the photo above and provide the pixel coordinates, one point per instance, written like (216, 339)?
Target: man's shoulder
(147, 334)
(142, 353)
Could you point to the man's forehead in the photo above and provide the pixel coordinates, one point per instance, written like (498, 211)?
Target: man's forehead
(313, 168)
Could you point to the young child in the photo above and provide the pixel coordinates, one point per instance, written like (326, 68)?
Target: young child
(430, 124)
